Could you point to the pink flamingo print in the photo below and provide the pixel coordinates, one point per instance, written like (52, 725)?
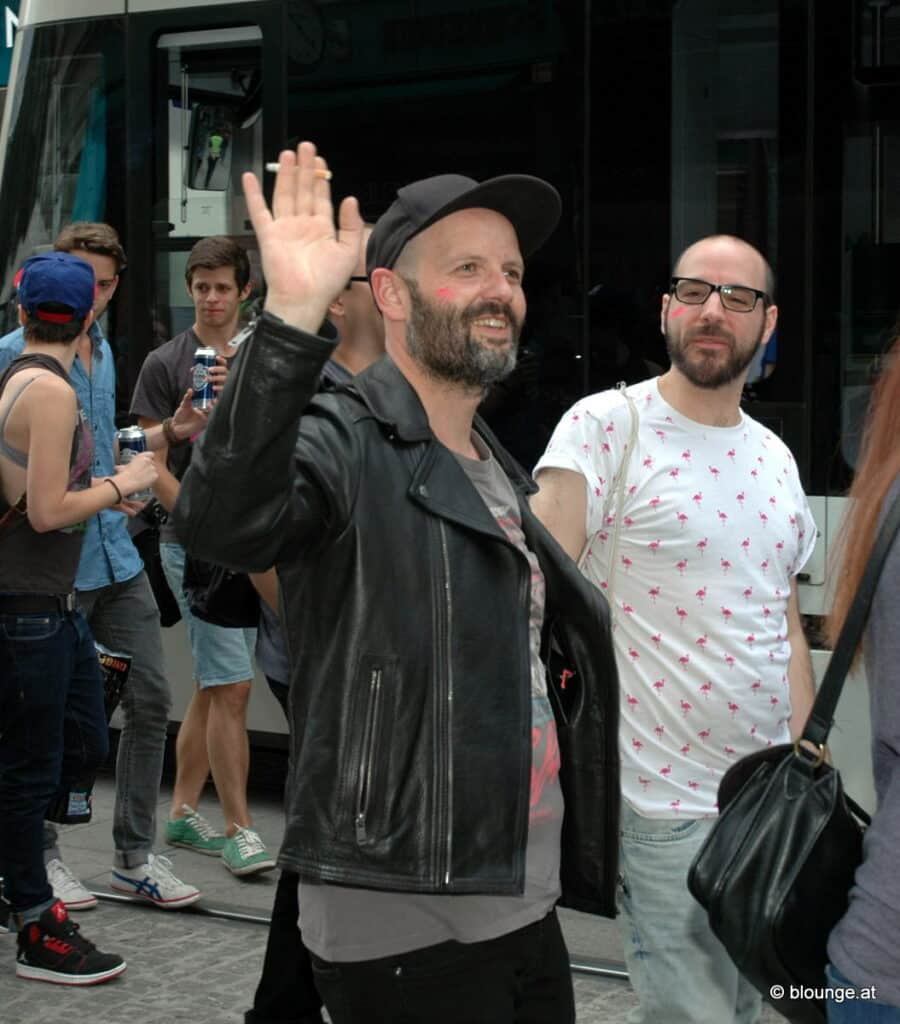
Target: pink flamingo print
(693, 784)
(723, 517)
(659, 685)
(729, 660)
(659, 730)
(598, 491)
(653, 502)
(792, 520)
(636, 743)
(756, 685)
(682, 519)
(644, 782)
(661, 434)
(773, 502)
(726, 565)
(604, 536)
(628, 521)
(605, 448)
(704, 734)
(733, 708)
(745, 544)
(684, 660)
(702, 641)
(706, 689)
(726, 613)
(686, 749)
(627, 608)
(686, 455)
(654, 545)
(627, 562)
(760, 459)
(633, 654)
(740, 498)
(673, 473)
(681, 566)
(675, 805)
(697, 498)
(654, 594)
(681, 613)
(648, 462)
(701, 545)
(575, 418)
(666, 770)
(730, 453)
(685, 706)
(751, 639)
(753, 731)
(764, 565)
(754, 474)
(631, 490)
(656, 638)
(764, 519)
(633, 702)
(730, 751)
(773, 701)
(767, 611)
(715, 473)
(701, 595)
(748, 593)
(610, 428)
(586, 448)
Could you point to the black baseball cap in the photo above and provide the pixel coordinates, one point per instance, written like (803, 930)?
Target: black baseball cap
(530, 204)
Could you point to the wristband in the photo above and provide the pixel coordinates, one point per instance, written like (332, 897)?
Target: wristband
(119, 496)
(168, 429)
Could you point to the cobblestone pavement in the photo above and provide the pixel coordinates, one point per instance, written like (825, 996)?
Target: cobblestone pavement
(187, 966)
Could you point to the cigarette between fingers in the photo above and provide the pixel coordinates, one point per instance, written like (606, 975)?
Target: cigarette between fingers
(319, 172)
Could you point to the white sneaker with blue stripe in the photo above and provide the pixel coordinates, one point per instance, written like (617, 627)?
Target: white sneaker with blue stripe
(155, 883)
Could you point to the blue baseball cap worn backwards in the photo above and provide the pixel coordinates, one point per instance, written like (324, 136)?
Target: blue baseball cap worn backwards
(60, 278)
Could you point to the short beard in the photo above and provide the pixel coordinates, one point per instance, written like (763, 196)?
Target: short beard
(439, 339)
(707, 372)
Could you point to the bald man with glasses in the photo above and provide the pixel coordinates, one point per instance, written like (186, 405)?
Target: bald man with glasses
(697, 552)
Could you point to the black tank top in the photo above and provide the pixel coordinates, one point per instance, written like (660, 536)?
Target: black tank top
(44, 563)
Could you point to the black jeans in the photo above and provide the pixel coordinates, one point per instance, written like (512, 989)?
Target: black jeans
(519, 978)
(286, 993)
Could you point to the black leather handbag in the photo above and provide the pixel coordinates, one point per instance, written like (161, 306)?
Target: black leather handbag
(775, 871)
(220, 596)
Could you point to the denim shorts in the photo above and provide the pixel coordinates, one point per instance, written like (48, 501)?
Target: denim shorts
(221, 656)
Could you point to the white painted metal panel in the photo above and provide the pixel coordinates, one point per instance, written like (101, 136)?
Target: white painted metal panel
(39, 12)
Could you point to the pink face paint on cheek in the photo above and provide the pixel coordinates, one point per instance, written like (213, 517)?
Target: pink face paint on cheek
(676, 312)
(445, 294)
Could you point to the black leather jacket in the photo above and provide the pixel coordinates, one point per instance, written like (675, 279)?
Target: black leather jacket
(406, 616)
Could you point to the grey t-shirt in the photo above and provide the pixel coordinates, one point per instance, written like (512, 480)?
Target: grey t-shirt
(164, 378)
(865, 945)
(345, 924)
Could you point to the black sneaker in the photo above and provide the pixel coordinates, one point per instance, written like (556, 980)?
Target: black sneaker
(52, 949)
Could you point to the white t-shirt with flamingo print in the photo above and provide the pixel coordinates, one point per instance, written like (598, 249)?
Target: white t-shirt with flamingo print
(714, 525)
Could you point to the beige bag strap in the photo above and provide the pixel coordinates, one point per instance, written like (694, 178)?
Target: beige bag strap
(617, 492)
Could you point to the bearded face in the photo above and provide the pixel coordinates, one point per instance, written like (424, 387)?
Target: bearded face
(448, 344)
(709, 355)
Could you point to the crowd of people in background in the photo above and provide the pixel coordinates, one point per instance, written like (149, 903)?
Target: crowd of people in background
(504, 693)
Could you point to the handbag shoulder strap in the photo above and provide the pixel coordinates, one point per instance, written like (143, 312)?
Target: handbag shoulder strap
(617, 492)
(820, 720)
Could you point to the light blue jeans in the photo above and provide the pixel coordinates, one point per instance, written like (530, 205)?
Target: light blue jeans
(678, 969)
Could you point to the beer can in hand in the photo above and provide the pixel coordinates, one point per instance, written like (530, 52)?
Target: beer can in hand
(204, 396)
(132, 441)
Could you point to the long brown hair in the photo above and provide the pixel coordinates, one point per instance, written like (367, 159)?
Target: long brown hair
(877, 469)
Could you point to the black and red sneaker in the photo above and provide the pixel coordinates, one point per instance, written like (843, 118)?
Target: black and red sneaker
(51, 949)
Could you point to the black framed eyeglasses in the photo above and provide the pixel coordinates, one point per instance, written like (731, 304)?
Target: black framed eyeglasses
(349, 284)
(739, 298)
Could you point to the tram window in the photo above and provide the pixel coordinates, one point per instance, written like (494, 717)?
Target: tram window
(209, 130)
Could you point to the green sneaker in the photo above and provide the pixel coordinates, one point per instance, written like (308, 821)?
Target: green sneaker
(194, 832)
(245, 853)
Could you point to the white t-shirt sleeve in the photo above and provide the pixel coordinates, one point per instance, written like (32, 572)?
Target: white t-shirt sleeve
(590, 440)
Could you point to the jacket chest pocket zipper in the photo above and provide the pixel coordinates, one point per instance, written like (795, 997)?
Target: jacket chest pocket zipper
(367, 755)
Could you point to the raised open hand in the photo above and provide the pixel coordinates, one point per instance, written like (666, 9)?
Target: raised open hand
(305, 261)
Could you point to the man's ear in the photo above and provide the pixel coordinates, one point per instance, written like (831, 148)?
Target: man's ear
(248, 287)
(336, 307)
(662, 313)
(23, 316)
(390, 293)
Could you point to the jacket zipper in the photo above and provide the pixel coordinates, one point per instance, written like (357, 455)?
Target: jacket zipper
(448, 720)
(367, 755)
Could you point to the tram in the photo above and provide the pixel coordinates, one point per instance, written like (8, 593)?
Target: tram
(658, 120)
